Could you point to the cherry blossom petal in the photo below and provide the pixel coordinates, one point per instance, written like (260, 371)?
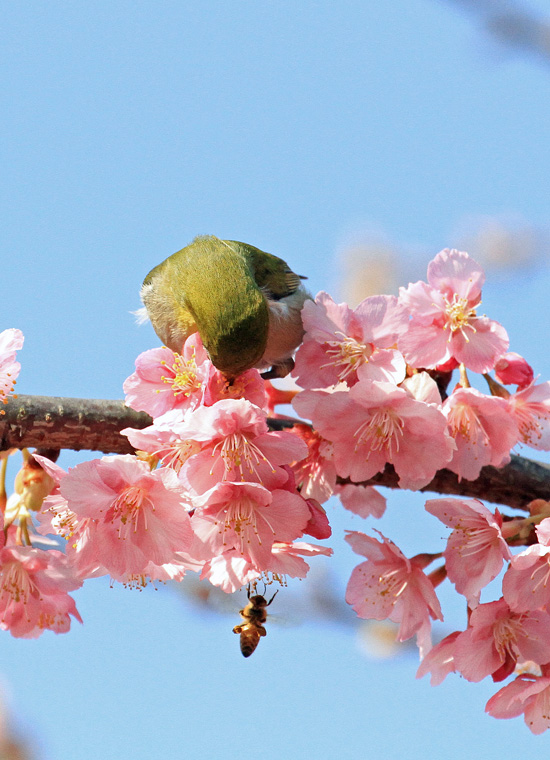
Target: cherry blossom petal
(440, 660)
(362, 500)
(476, 549)
(454, 271)
(528, 694)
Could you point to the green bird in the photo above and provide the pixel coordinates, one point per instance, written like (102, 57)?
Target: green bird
(244, 303)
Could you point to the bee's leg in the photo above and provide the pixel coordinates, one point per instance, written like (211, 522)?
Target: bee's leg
(261, 630)
(238, 629)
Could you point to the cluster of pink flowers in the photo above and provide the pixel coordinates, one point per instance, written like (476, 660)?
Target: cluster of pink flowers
(34, 583)
(213, 489)
(210, 488)
(510, 634)
(371, 397)
(371, 394)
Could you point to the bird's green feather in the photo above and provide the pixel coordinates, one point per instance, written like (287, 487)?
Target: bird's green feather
(210, 285)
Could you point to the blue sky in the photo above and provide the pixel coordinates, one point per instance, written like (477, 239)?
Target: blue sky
(130, 127)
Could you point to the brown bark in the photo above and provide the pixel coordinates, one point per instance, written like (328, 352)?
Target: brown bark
(51, 423)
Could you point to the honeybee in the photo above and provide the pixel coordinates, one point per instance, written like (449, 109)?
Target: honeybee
(254, 616)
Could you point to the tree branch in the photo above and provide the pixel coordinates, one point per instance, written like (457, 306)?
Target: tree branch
(515, 484)
(68, 423)
(52, 423)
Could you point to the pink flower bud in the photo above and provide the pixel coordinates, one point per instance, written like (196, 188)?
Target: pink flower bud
(512, 369)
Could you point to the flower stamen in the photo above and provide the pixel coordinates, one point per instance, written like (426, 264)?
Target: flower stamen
(458, 314)
(346, 355)
(383, 431)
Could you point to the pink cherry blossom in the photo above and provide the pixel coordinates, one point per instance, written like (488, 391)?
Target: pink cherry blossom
(476, 548)
(316, 473)
(248, 385)
(483, 430)
(440, 660)
(530, 408)
(512, 369)
(227, 441)
(165, 380)
(364, 501)
(527, 694)
(422, 387)
(34, 586)
(230, 571)
(11, 341)
(318, 524)
(339, 340)
(308, 403)
(497, 638)
(56, 472)
(167, 438)
(136, 516)
(388, 585)
(444, 322)
(286, 558)
(169, 571)
(526, 583)
(236, 445)
(55, 517)
(373, 424)
(543, 528)
(248, 518)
